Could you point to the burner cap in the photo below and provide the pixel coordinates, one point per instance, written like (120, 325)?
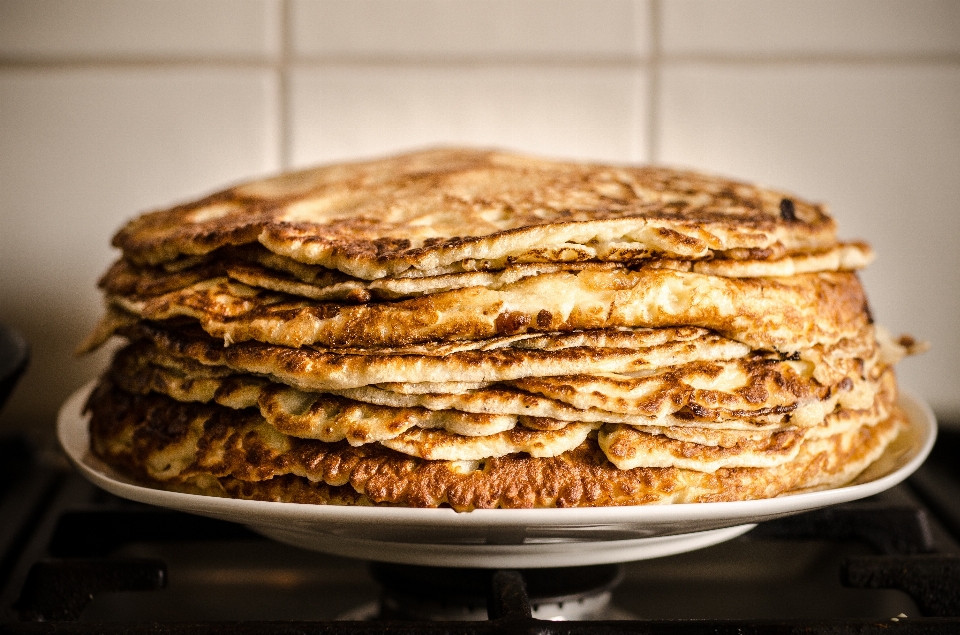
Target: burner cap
(439, 593)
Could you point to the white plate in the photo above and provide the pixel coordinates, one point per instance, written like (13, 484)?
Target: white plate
(496, 538)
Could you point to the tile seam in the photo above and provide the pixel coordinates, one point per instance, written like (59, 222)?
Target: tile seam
(813, 60)
(288, 61)
(293, 62)
(653, 97)
(283, 122)
(132, 63)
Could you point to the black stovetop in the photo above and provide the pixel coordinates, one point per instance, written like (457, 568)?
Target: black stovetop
(76, 559)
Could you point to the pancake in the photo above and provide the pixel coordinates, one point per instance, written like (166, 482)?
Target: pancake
(788, 314)
(442, 433)
(372, 414)
(747, 385)
(437, 445)
(265, 270)
(289, 489)
(609, 338)
(284, 489)
(326, 369)
(727, 389)
(433, 208)
(706, 450)
(169, 443)
(628, 448)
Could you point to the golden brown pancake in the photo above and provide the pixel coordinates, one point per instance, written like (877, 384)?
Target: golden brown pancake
(266, 270)
(327, 369)
(788, 314)
(444, 433)
(434, 208)
(170, 443)
(756, 393)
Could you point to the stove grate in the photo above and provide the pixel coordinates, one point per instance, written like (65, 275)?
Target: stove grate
(933, 581)
(888, 528)
(57, 590)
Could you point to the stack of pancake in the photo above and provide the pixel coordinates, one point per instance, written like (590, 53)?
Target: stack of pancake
(478, 329)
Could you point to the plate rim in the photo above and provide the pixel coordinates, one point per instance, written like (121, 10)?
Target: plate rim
(73, 436)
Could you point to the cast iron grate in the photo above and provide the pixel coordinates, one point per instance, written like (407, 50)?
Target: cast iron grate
(57, 590)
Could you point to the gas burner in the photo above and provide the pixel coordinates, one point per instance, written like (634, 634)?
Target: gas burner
(441, 594)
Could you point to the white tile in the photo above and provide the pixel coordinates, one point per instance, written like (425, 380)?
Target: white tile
(881, 145)
(139, 28)
(485, 28)
(81, 152)
(811, 26)
(348, 112)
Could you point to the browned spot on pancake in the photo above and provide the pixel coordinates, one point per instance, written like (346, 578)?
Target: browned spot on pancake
(544, 319)
(510, 322)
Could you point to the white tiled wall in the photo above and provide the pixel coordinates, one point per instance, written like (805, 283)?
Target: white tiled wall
(488, 29)
(111, 107)
(869, 28)
(343, 111)
(123, 30)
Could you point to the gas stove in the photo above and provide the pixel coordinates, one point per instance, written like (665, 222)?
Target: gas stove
(76, 559)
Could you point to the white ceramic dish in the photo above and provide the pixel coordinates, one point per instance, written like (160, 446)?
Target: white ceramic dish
(524, 538)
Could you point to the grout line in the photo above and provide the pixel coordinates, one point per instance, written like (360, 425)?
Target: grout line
(622, 61)
(653, 97)
(287, 61)
(283, 87)
(813, 59)
(398, 61)
(135, 63)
